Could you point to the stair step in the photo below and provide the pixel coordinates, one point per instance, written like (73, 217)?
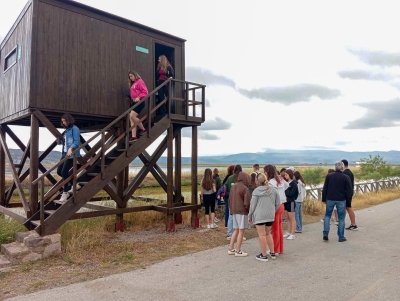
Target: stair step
(4, 262)
(111, 158)
(82, 183)
(50, 212)
(36, 223)
(121, 150)
(92, 174)
(58, 202)
(14, 249)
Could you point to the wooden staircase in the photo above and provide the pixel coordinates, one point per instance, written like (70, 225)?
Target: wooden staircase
(109, 158)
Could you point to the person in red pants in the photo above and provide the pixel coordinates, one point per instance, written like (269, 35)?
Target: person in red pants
(280, 185)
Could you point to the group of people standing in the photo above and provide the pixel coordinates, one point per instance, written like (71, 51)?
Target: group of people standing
(262, 199)
(258, 199)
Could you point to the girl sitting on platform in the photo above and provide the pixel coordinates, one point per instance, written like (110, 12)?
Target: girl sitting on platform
(71, 141)
(138, 92)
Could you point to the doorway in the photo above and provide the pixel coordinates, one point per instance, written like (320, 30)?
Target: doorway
(169, 52)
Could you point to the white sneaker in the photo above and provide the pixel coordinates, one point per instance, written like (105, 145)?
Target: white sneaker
(214, 226)
(240, 254)
(228, 238)
(216, 220)
(286, 234)
(64, 196)
(291, 236)
(244, 238)
(231, 252)
(209, 226)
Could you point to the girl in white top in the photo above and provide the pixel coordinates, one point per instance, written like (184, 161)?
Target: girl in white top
(301, 185)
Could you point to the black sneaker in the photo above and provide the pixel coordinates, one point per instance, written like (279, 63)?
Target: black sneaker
(351, 227)
(261, 257)
(273, 255)
(342, 239)
(325, 236)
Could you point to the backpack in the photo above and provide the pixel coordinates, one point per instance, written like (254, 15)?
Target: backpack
(222, 191)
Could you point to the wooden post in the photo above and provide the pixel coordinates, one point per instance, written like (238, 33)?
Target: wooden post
(194, 218)
(170, 170)
(34, 165)
(178, 174)
(119, 218)
(2, 171)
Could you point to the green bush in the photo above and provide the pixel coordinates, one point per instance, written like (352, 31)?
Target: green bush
(314, 176)
(8, 229)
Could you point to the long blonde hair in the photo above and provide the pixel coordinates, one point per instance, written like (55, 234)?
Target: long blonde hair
(163, 64)
(262, 180)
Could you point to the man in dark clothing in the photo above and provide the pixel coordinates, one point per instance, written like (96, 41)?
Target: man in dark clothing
(336, 192)
(350, 211)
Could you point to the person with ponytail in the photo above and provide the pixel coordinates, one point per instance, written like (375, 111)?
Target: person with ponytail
(265, 201)
(301, 184)
(280, 185)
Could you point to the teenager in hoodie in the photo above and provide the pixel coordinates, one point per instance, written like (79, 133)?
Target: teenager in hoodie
(280, 185)
(291, 195)
(239, 205)
(301, 185)
(265, 201)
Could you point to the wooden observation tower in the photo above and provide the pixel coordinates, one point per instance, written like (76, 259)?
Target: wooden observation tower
(65, 57)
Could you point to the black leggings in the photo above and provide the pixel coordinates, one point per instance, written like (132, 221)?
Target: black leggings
(209, 200)
(162, 93)
(63, 171)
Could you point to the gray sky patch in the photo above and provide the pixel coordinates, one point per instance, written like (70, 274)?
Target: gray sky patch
(377, 58)
(207, 77)
(366, 75)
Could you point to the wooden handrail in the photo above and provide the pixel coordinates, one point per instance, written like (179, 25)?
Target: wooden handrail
(123, 115)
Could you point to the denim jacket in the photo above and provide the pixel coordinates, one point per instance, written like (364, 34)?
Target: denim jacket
(72, 138)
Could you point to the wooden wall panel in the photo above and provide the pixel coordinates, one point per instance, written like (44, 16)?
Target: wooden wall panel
(15, 83)
(83, 63)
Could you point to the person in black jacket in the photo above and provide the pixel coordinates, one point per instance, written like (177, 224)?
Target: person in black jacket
(336, 192)
(350, 211)
(163, 73)
(292, 192)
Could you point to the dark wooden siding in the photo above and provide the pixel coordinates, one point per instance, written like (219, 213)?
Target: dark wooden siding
(82, 63)
(15, 83)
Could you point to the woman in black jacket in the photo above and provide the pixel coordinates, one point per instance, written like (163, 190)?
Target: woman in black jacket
(292, 192)
(163, 73)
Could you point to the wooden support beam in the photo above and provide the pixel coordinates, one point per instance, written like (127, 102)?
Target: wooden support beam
(111, 212)
(178, 167)
(34, 165)
(97, 207)
(148, 166)
(15, 175)
(13, 215)
(43, 119)
(2, 170)
(114, 196)
(170, 172)
(119, 218)
(194, 174)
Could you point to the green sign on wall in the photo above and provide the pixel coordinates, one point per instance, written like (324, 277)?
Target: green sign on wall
(142, 49)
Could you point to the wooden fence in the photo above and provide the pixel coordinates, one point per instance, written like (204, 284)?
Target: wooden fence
(316, 193)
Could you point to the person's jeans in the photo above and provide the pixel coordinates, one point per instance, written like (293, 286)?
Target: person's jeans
(299, 217)
(341, 210)
(230, 225)
(63, 171)
(226, 211)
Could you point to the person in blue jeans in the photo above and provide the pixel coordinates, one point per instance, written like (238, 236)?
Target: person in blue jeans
(301, 185)
(336, 191)
(226, 199)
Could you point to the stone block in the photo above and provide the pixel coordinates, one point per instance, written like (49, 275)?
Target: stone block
(14, 250)
(4, 262)
(20, 236)
(55, 238)
(53, 249)
(31, 242)
(31, 257)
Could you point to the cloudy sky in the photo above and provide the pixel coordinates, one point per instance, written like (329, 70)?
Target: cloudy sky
(281, 74)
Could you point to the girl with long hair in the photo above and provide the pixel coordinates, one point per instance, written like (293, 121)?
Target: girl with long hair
(280, 185)
(265, 201)
(301, 185)
(253, 184)
(231, 181)
(138, 91)
(208, 190)
(164, 72)
(70, 142)
(290, 206)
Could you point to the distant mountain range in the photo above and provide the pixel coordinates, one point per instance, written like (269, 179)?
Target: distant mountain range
(271, 156)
